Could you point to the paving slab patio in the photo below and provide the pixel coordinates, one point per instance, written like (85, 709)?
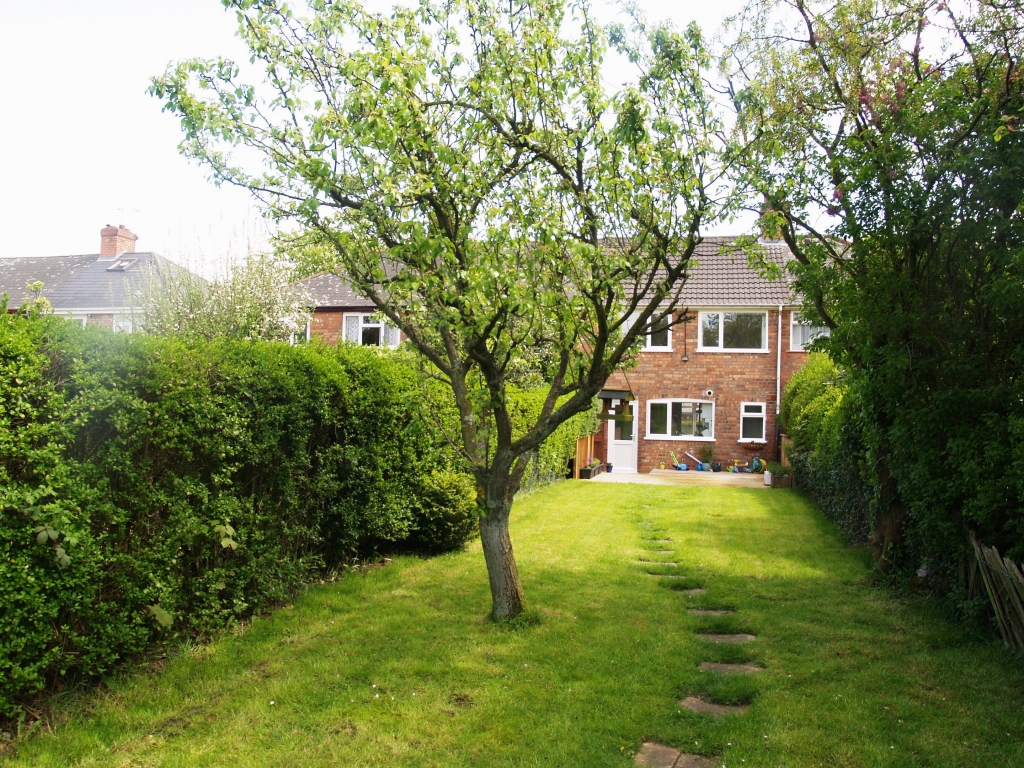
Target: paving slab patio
(671, 477)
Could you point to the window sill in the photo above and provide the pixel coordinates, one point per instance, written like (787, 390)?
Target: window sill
(683, 439)
(718, 351)
(753, 442)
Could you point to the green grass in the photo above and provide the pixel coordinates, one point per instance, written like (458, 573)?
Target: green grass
(398, 667)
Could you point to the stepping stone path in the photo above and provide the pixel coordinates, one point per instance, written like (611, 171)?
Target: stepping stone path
(737, 638)
(654, 755)
(695, 704)
(730, 669)
(662, 551)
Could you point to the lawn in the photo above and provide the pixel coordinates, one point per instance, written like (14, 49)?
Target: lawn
(399, 667)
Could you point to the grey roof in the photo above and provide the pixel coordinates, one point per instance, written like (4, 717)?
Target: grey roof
(722, 277)
(70, 283)
(330, 291)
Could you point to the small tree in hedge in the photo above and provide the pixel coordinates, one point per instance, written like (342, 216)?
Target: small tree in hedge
(462, 164)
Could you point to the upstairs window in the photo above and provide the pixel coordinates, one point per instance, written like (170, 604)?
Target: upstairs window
(752, 422)
(733, 332)
(680, 420)
(658, 337)
(803, 332)
(370, 329)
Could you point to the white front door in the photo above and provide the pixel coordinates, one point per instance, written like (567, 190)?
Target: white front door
(622, 443)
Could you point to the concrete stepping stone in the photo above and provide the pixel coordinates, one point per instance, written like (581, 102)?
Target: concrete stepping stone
(730, 669)
(656, 562)
(737, 638)
(710, 611)
(695, 704)
(658, 541)
(662, 551)
(654, 755)
(694, 592)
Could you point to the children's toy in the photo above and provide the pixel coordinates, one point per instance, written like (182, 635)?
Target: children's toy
(701, 466)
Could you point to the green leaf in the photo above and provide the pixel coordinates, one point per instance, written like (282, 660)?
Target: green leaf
(162, 617)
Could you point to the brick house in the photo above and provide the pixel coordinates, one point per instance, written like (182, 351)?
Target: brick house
(715, 378)
(340, 314)
(92, 288)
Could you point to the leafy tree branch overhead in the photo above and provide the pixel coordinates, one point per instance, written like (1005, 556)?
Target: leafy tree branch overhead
(884, 140)
(463, 165)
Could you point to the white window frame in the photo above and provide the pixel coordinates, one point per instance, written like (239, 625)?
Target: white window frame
(721, 331)
(647, 337)
(764, 422)
(794, 318)
(680, 438)
(387, 330)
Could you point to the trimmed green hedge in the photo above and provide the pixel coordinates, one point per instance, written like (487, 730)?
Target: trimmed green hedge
(819, 413)
(151, 487)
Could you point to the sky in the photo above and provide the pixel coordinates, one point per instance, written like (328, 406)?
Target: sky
(84, 145)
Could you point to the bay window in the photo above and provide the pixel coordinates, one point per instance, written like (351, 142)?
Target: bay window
(733, 332)
(680, 420)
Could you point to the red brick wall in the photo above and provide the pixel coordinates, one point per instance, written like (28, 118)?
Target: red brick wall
(102, 320)
(734, 377)
(328, 324)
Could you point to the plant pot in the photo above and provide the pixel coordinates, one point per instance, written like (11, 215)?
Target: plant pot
(588, 473)
(782, 481)
(607, 467)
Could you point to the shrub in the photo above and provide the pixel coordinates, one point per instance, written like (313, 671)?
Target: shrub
(445, 512)
(820, 414)
(152, 487)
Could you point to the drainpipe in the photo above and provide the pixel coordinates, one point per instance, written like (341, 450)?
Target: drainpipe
(778, 388)
(778, 366)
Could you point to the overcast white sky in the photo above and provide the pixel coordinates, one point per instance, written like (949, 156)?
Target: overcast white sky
(84, 145)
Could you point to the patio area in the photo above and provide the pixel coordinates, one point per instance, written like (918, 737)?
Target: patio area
(690, 477)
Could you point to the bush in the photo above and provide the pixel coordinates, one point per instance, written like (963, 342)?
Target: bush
(819, 412)
(155, 488)
(446, 513)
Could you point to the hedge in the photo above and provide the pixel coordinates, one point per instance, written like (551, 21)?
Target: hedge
(152, 488)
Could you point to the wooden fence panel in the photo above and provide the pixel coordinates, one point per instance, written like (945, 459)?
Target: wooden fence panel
(1005, 586)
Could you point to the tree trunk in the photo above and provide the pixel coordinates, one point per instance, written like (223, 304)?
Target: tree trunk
(506, 591)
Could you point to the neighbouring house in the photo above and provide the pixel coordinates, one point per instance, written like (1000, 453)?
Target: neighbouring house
(93, 288)
(340, 314)
(716, 378)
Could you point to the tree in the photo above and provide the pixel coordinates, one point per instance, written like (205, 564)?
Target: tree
(463, 166)
(884, 141)
(251, 300)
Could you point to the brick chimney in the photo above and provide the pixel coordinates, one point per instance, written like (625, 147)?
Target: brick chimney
(116, 240)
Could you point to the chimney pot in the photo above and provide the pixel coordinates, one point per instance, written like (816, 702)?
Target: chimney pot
(116, 240)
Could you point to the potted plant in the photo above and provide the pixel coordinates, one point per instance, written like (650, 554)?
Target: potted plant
(591, 470)
(778, 476)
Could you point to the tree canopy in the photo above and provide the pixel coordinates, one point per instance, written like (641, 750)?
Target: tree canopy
(885, 143)
(464, 166)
